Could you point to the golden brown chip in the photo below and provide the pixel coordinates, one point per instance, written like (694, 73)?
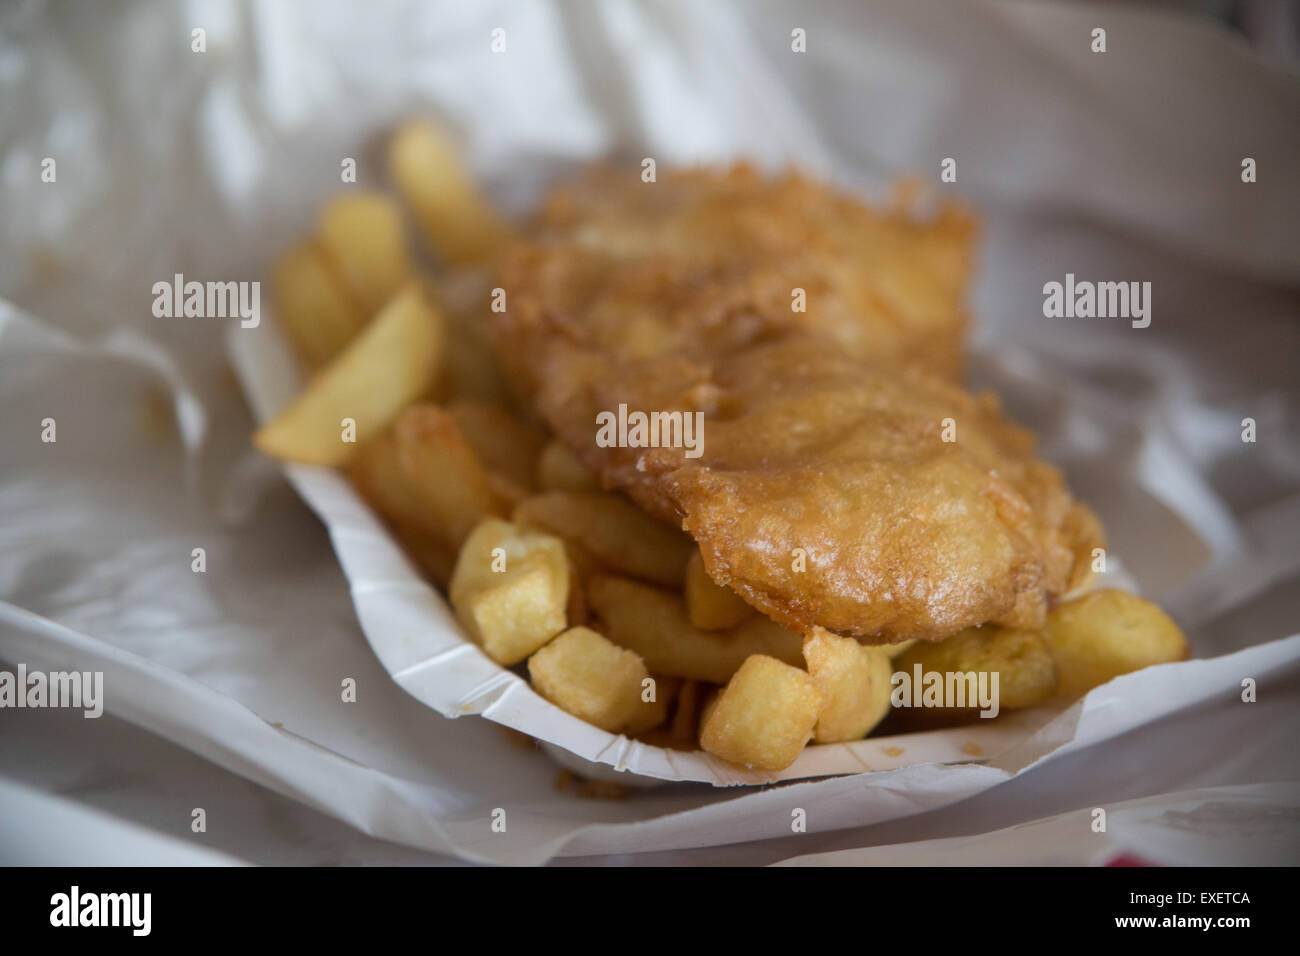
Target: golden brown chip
(1108, 633)
(591, 678)
(854, 682)
(763, 717)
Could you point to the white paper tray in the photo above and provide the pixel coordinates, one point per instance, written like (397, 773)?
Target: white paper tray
(419, 642)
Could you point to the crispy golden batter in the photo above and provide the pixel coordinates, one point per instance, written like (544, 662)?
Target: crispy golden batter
(825, 493)
(701, 263)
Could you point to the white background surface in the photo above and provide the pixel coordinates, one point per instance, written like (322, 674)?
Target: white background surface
(1125, 167)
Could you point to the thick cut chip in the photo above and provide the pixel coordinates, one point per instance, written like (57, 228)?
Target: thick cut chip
(502, 442)
(386, 367)
(454, 217)
(510, 588)
(711, 606)
(377, 473)
(1108, 633)
(591, 678)
(447, 478)
(1026, 675)
(654, 623)
(763, 717)
(312, 305)
(612, 531)
(854, 681)
(361, 236)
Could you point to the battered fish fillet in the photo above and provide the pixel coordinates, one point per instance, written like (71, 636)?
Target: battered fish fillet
(825, 493)
(701, 263)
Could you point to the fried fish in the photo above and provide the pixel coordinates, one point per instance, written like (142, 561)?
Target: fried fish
(701, 262)
(840, 479)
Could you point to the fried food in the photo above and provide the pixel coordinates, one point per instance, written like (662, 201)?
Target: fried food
(1107, 633)
(449, 482)
(837, 484)
(763, 717)
(611, 532)
(510, 589)
(453, 215)
(360, 235)
(363, 388)
(701, 263)
(710, 606)
(506, 446)
(654, 623)
(855, 684)
(843, 481)
(313, 305)
(586, 675)
(1021, 660)
(826, 493)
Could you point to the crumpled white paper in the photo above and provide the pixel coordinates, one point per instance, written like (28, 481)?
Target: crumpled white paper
(206, 164)
(1249, 825)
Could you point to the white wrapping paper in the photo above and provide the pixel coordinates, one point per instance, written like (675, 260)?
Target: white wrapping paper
(1250, 825)
(206, 164)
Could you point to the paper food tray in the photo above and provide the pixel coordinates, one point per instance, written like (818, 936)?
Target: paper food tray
(422, 646)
